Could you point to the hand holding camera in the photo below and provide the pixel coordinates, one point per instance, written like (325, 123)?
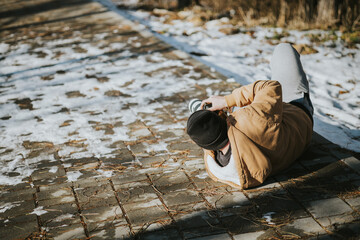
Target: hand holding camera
(214, 103)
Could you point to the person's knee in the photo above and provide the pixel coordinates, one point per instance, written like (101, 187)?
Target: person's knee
(283, 47)
(285, 50)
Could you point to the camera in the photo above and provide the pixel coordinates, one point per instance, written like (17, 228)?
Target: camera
(194, 105)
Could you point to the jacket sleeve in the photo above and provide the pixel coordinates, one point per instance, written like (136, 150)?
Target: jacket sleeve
(262, 98)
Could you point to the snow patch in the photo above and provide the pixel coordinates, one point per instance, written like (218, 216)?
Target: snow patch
(73, 175)
(39, 211)
(267, 217)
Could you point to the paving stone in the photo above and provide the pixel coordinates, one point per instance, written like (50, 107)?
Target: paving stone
(309, 192)
(161, 235)
(171, 134)
(55, 193)
(58, 210)
(279, 202)
(302, 227)
(55, 187)
(350, 177)
(242, 223)
(175, 187)
(195, 164)
(232, 200)
(338, 152)
(152, 161)
(224, 236)
(94, 191)
(46, 174)
(130, 185)
(269, 183)
(84, 166)
(348, 231)
(153, 226)
(353, 163)
(79, 162)
(169, 178)
(50, 181)
(48, 164)
(249, 236)
(75, 231)
(140, 133)
(123, 157)
(195, 220)
(322, 186)
(14, 221)
(200, 206)
(147, 215)
(313, 153)
(131, 177)
(61, 220)
(138, 149)
(21, 195)
(319, 162)
(333, 221)
(136, 194)
(117, 232)
(182, 146)
(208, 185)
(138, 205)
(178, 198)
(96, 196)
(294, 171)
(190, 233)
(317, 139)
(18, 231)
(13, 209)
(354, 202)
(327, 207)
(103, 217)
(56, 201)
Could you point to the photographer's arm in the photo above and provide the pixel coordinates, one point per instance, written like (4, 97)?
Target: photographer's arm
(217, 103)
(269, 92)
(263, 91)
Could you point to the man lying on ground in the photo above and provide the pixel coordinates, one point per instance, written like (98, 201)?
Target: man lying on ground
(259, 129)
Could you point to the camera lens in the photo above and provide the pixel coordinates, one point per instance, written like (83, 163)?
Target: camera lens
(194, 105)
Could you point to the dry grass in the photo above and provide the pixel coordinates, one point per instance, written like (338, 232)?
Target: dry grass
(301, 14)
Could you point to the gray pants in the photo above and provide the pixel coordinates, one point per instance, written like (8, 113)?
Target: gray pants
(287, 69)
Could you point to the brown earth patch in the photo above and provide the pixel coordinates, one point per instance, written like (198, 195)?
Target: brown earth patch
(116, 93)
(74, 94)
(24, 103)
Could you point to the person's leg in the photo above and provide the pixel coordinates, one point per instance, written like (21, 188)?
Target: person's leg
(287, 69)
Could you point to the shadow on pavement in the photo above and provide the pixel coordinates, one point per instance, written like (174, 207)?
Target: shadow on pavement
(318, 178)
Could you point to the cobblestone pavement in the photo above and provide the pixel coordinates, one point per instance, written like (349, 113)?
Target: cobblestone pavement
(93, 109)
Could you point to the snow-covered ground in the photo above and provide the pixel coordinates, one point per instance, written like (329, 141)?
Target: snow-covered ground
(76, 103)
(333, 72)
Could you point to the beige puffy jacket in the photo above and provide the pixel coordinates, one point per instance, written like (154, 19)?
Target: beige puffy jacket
(266, 135)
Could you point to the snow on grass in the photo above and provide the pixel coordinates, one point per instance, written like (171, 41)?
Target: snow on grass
(333, 71)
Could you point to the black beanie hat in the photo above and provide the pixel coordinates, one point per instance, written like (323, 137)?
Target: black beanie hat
(207, 129)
